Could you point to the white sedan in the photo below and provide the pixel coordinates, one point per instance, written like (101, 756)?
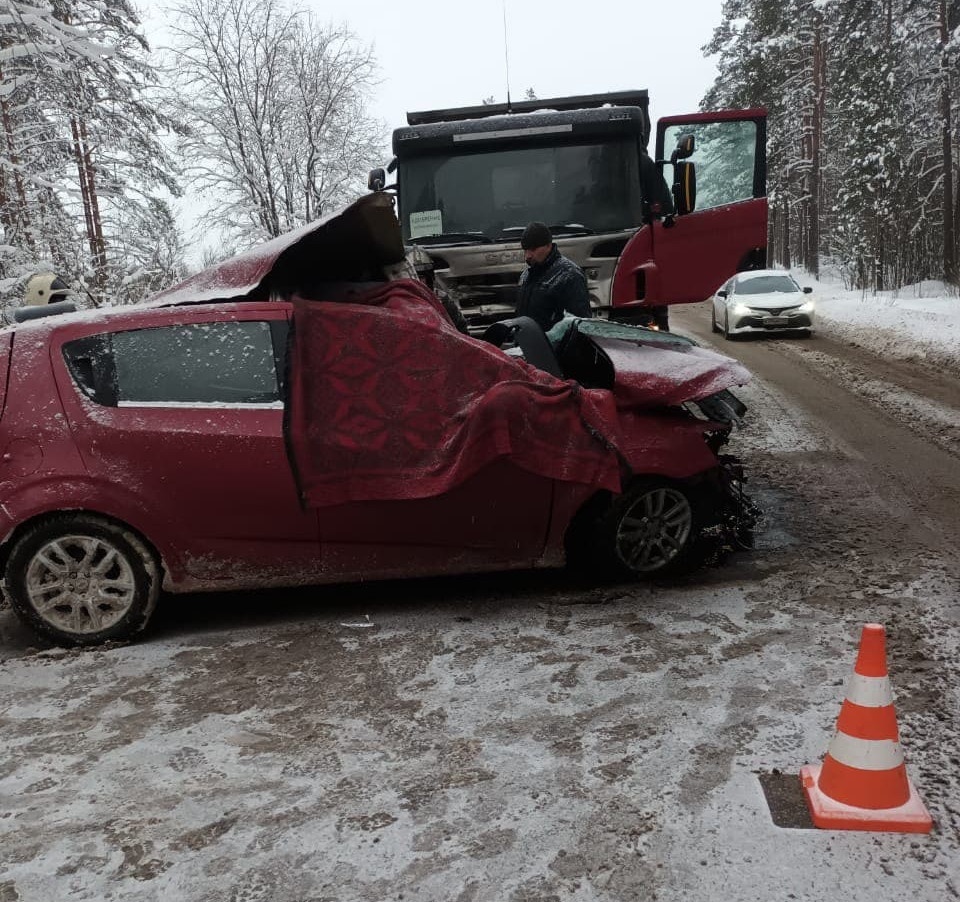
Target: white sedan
(761, 300)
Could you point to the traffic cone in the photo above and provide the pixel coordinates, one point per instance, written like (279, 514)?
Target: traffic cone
(862, 783)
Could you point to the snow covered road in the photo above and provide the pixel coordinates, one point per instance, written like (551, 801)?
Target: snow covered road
(520, 738)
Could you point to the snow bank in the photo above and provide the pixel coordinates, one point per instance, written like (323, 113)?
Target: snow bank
(919, 323)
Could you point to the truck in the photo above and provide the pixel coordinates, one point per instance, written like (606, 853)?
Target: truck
(647, 231)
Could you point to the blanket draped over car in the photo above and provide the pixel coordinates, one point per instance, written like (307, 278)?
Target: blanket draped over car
(388, 401)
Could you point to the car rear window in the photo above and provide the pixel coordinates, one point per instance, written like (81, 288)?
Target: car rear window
(221, 363)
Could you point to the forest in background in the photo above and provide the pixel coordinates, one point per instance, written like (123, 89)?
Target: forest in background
(264, 110)
(862, 131)
(256, 104)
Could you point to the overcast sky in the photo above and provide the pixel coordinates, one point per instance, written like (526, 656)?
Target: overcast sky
(447, 53)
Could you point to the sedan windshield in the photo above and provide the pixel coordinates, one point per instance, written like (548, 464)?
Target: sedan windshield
(767, 285)
(494, 194)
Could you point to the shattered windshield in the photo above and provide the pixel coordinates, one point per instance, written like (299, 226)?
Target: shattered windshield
(492, 195)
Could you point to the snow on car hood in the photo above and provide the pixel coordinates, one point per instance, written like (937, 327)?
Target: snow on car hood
(666, 375)
(353, 244)
(643, 367)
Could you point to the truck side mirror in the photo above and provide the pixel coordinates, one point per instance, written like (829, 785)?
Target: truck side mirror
(684, 188)
(377, 179)
(686, 144)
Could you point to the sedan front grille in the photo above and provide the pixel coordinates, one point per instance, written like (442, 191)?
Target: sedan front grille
(773, 311)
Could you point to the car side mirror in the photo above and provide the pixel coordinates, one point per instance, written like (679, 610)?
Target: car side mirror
(377, 179)
(808, 290)
(722, 293)
(684, 188)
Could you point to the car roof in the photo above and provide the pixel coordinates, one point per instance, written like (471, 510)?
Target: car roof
(361, 237)
(128, 315)
(342, 246)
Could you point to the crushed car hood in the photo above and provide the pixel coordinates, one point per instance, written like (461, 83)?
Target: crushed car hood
(643, 367)
(656, 375)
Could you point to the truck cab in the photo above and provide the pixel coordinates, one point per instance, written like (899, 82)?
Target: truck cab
(468, 181)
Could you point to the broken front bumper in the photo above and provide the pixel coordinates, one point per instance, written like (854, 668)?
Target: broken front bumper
(729, 514)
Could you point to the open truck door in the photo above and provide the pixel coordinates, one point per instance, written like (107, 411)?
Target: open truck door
(716, 166)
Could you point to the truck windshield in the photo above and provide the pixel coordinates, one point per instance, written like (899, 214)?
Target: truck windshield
(494, 194)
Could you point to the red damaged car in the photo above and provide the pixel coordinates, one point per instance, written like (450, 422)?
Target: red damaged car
(305, 413)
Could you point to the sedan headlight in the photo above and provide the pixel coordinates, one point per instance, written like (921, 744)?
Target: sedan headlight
(741, 309)
(806, 307)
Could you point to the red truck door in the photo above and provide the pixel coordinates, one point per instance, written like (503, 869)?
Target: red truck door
(685, 260)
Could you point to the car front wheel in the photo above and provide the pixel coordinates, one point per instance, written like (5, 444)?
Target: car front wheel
(650, 530)
(81, 580)
(713, 319)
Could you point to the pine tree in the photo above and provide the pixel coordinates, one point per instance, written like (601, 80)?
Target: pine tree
(80, 134)
(862, 150)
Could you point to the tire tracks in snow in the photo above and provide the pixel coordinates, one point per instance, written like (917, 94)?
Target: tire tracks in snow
(935, 419)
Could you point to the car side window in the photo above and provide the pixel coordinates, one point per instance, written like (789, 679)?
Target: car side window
(220, 363)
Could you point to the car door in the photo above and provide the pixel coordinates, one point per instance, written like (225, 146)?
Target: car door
(496, 519)
(186, 411)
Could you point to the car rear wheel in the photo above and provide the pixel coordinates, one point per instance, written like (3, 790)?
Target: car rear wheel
(650, 530)
(81, 580)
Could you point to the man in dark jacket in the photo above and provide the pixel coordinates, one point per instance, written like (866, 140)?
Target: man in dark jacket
(551, 283)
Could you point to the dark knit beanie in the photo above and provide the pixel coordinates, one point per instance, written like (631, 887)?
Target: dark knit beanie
(535, 235)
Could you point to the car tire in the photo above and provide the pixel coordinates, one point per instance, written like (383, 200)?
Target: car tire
(726, 326)
(79, 579)
(713, 320)
(651, 530)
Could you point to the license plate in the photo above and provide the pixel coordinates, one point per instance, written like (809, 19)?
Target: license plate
(776, 321)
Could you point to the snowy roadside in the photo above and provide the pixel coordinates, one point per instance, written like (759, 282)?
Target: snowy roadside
(919, 323)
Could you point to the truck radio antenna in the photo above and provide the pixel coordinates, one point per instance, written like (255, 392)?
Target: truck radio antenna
(506, 54)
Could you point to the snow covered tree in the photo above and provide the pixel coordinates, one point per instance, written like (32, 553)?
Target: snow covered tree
(81, 151)
(867, 123)
(862, 150)
(277, 109)
(757, 68)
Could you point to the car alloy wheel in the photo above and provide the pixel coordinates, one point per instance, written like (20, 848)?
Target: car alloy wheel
(80, 580)
(649, 530)
(655, 529)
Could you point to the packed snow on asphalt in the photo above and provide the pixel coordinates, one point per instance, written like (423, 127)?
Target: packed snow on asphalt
(522, 737)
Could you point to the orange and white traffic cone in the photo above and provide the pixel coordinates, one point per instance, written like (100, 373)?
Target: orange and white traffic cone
(863, 784)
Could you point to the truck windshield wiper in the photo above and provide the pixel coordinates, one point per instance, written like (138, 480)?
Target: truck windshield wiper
(458, 237)
(566, 229)
(570, 228)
